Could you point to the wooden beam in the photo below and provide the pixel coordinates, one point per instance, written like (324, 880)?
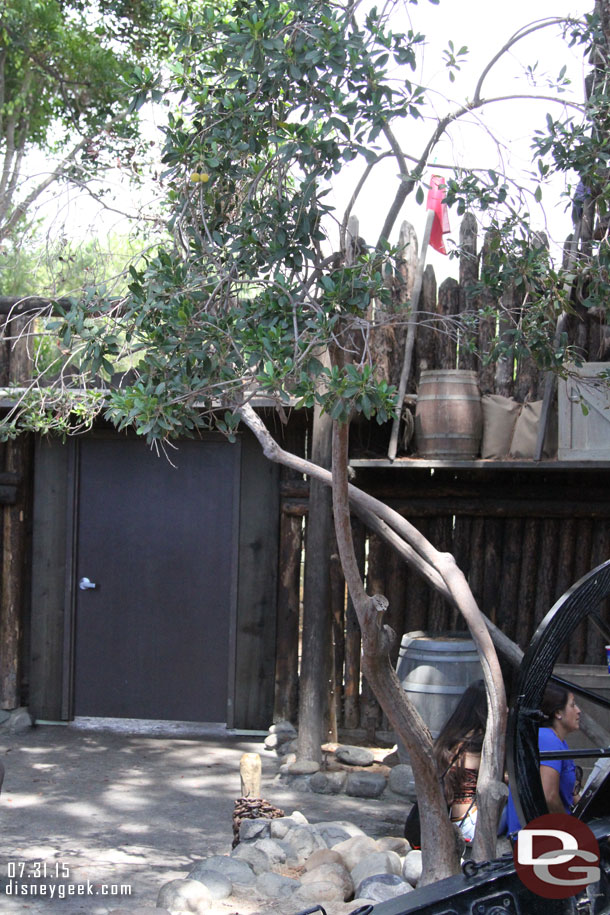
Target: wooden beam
(19, 305)
(17, 462)
(8, 495)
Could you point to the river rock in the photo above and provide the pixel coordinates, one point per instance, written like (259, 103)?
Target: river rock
(239, 872)
(219, 886)
(328, 782)
(352, 850)
(315, 892)
(380, 887)
(258, 860)
(19, 720)
(284, 728)
(280, 735)
(323, 856)
(354, 756)
(394, 843)
(257, 828)
(277, 852)
(412, 867)
(289, 758)
(276, 886)
(304, 840)
(401, 781)
(184, 896)
(380, 862)
(365, 784)
(331, 873)
(338, 831)
(304, 767)
(287, 749)
(280, 825)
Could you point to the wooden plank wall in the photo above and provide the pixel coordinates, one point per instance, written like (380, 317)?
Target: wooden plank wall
(521, 539)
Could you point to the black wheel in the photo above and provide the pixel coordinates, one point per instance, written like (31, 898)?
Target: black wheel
(581, 601)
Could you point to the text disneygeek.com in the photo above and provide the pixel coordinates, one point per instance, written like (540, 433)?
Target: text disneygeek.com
(66, 890)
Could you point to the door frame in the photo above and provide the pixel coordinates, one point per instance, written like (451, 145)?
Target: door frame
(72, 530)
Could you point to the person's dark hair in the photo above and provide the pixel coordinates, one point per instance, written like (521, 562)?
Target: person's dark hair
(465, 727)
(555, 698)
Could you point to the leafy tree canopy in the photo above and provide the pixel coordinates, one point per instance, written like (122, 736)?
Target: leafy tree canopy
(68, 73)
(274, 99)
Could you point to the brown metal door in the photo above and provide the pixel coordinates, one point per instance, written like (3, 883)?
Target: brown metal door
(153, 636)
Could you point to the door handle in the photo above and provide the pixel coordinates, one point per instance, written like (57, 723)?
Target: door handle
(86, 585)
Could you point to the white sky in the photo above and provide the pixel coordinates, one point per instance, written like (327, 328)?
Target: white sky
(483, 26)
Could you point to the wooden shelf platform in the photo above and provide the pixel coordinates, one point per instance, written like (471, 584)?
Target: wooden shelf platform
(413, 463)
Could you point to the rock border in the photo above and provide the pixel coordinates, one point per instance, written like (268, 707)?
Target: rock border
(356, 771)
(291, 862)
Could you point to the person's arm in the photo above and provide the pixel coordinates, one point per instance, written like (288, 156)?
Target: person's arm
(550, 785)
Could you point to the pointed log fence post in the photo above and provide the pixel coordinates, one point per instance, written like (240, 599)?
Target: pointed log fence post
(411, 329)
(550, 378)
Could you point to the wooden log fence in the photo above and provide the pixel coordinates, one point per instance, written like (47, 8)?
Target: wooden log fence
(517, 567)
(521, 539)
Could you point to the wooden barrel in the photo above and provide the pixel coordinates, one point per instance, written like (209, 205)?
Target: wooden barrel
(448, 416)
(435, 670)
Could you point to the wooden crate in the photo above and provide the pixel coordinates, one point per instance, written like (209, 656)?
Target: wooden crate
(584, 414)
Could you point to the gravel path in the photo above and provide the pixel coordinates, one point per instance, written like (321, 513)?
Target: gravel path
(103, 810)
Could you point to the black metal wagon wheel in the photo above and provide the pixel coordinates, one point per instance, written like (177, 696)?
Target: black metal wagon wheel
(579, 602)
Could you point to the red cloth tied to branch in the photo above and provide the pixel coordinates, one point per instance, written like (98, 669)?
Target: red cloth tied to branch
(440, 226)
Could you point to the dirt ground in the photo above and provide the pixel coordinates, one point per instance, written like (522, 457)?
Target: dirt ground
(119, 814)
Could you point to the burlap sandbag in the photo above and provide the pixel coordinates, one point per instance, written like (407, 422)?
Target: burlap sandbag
(499, 417)
(525, 435)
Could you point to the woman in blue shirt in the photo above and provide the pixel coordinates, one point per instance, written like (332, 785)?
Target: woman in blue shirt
(558, 776)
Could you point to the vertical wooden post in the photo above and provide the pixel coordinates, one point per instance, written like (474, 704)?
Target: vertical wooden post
(287, 629)
(315, 657)
(526, 599)
(250, 775)
(337, 646)
(425, 351)
(353, 640)
(505, 365)
(17, 460)
(510, 571)
(546, 572)
(402, 290)
(410, 341)
(487, 330)
(370, 712)
(600, 550)
(442, 538)
(469, 274)
(583, 563)
(448, 307)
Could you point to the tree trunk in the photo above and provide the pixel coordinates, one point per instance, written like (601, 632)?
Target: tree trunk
(377, 639)
(440, 568)
(317, 633)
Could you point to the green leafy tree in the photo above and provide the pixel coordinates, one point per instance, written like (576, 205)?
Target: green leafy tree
(71, 76)
(276, 99)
